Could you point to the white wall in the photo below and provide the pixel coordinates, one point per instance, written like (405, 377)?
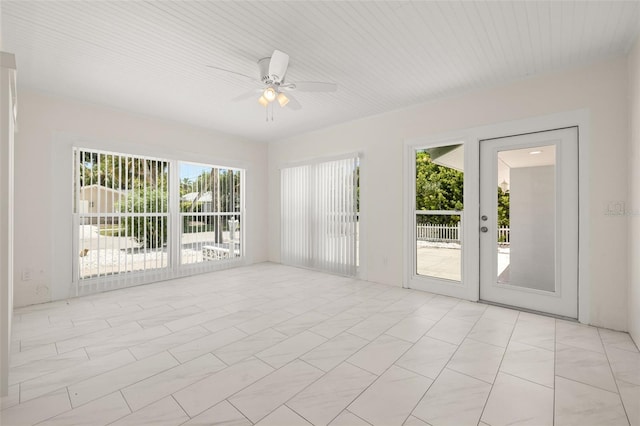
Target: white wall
(50, 126)
(634, 193)
(532, 212)
(600, 88)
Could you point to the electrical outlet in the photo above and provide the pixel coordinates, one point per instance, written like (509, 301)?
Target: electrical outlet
(27, 274)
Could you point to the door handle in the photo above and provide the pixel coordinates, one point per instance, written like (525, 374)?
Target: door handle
(484, 229)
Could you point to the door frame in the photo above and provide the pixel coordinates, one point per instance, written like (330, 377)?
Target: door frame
(563, 300)
(469, 288)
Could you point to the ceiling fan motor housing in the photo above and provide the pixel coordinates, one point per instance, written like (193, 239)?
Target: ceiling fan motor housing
(263, 65)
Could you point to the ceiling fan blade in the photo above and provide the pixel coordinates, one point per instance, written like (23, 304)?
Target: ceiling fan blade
(293, 103)
(278, 65)
(289, 87)
(234, 72)
(248, 95)
(313, 86)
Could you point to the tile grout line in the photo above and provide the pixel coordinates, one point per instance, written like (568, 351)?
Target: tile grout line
(176, 401)
(72, 383)
(46, 372)
(328, 371)
(353, 414)
(240, 390)
(298, 357)
(172, 356)
(126, 402)
(587, 384)
(55, 415)
(170, 334)
(491, 344)
(120, 389)
(484, 407)
(263, 349)
(525, 379)
(325, 373)
(615, 380)
(445, 365)
(236, 408)
(401, 355)
(423, 394)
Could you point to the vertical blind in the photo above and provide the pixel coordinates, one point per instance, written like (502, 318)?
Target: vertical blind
(139, 219)
(121, 205)
(319, 215)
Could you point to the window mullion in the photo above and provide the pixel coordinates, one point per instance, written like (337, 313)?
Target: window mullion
(174, 239)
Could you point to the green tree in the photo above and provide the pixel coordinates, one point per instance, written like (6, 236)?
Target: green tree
(185, 186)
(441, 188)
(437, 188)
(149, 230)
(503, 208)
(221, 189)
(119, 172)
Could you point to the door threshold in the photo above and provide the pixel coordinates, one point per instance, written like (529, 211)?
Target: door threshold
(529, 311)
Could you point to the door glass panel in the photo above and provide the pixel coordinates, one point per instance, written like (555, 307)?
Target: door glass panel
(438, 215)
(526, 217)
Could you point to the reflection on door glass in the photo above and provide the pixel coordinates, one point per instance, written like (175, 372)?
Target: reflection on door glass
(439, 205)
(526, 194)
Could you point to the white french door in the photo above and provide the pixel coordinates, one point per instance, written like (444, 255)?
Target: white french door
(529, 221)
(438, 219)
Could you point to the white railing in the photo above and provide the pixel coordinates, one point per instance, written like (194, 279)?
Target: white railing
(503, 236)
(446, 233)
(438, 233)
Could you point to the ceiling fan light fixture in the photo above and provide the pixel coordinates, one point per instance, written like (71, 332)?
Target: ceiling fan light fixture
(269, 94)
(282, 99)
(275, 85)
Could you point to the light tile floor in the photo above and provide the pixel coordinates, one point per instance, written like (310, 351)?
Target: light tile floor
(274, 345)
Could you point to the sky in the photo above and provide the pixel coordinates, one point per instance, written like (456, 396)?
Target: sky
(192, 171)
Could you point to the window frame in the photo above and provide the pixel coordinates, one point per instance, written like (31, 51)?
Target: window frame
(174, 268)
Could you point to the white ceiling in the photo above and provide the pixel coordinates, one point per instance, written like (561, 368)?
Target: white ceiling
(525, 157)
(151, 56)
(528, 157)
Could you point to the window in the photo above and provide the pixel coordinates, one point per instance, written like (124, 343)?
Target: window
(136, 222)
(319, 215)
(438, 212)
(209, 213)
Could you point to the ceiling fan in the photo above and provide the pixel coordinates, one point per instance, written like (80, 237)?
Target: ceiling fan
(274, 88)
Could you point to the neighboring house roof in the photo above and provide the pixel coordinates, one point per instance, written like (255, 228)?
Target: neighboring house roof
(104, 188)
(189, 197)
(193, 196)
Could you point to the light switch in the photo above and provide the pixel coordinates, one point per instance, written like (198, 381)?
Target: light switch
(615, 208)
